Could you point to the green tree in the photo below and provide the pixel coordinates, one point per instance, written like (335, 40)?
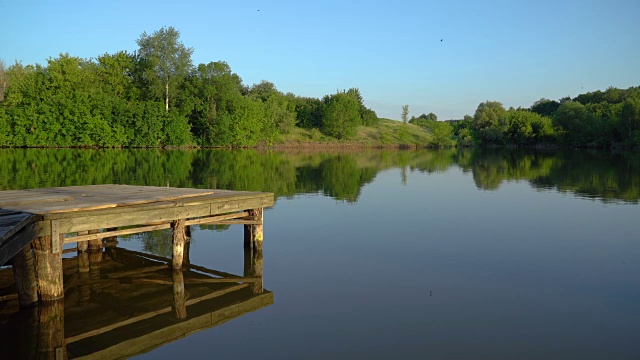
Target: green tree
(630, 121)
(490, 114)
(368, 117)
(442, 133)
(341, 115)
(573, 120)
(217, 91)
(309, 112)
(405, 113)
(545, 107)
(263, 90)
(168, 58)
(490, 122)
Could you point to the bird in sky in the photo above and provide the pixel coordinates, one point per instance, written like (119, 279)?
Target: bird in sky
(440, 40)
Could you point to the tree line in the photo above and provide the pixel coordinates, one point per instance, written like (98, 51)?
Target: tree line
(600, 119)
(155, 97)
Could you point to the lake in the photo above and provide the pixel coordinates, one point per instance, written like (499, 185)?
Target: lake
(416, 254)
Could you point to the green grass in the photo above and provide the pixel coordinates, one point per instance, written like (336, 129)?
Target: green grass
(387, 133)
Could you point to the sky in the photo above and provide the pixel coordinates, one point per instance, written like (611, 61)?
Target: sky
(444, 57)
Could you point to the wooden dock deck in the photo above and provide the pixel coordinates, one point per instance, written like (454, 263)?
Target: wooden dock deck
(88, 214)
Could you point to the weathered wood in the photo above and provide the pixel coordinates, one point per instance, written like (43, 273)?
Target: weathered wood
(17, 229)
(157, 215)
(48, 270)
(16, 198)
(218, 218)
(95, 244)
(24, 274)
(114, 233)
(179, 238)
(253, 234)
(13, 222)
(82, 245)
(94, 197)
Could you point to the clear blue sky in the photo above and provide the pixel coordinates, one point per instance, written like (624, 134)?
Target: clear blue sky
(515, 52)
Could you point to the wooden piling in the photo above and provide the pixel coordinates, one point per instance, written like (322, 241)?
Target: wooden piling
(24, 274)
(48, 268)
(253, 234)
(96, 244)
(179, 238)
(82, 245)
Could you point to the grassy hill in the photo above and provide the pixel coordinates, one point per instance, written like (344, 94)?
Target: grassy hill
(387, 133)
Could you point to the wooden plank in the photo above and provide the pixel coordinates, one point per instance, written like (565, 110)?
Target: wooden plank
(213, 219)
(216, 197)
(20, 239)
(13, 223)
(102, 235)
(111, 201)
(75, 198)
(56, 237)
(8, 212)
(134, 216)
(24, 197)
(152, 314)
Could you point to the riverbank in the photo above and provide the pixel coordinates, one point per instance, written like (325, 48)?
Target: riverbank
(386, 134)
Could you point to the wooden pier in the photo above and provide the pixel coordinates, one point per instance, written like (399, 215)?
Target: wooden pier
(88, 214)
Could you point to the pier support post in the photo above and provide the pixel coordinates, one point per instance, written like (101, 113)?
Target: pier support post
(253, 267)
(82, 245)
(179, 238)
(49, 267)
(24, 274)
(253, 235)
(95, 245)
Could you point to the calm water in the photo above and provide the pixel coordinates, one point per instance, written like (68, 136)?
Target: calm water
(403, 254)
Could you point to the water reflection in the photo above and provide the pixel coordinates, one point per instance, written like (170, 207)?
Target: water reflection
(119, 303)
(338, 174)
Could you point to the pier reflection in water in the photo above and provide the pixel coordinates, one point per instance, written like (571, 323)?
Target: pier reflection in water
(119, 303)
